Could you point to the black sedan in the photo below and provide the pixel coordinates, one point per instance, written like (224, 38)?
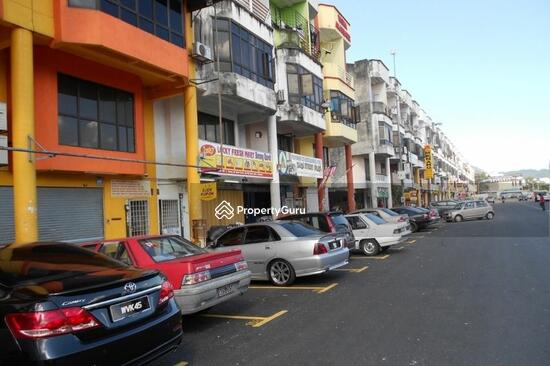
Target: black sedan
(418, 218)
(64, 305)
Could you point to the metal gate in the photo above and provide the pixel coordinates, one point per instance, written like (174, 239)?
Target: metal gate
(170, 217)
(138, 218)
(64, 214)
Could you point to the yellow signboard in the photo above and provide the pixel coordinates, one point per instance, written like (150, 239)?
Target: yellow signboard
(428, 167)
(209, 191)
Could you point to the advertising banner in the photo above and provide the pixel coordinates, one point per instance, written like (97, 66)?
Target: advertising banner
(236, 161)
(209, 191)
(300, 165)
(428, 167)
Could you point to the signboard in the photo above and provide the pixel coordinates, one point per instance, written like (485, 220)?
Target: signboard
(130, 188)
(343, 26)
(236, 161)
(209, 191)
(401, 174)
(300, 165)
(382, 192)
(428, 167)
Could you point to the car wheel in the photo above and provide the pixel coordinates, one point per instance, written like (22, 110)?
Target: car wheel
(490, 215)
(370, 247)
(281, 273)
(414, 227)
(458, 218)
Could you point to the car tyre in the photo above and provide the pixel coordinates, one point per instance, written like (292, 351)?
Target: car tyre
(490, 215)
(281, 273)
(369, 247)
(414, 227)
(459, 218)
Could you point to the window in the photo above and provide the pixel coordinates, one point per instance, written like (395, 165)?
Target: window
(260, 234)
(469, 205)
(233, 237)
(163, 18)
(343, 109)
(356, 223)
(94, 116)
(299, 229)
(209, 129)
(376, 219)
(285, 143)
(481, 204)
(385, 134)
(320, 222)
(304, 87)
(116, 251)
(167, 248)
(243, 53)
(367, 170)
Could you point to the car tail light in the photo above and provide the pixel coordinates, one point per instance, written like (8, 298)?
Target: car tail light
(320, 248)
(194, 278)
(402, 219)
(42, 324)
(241, 266)
(166, 292)
(425, 216)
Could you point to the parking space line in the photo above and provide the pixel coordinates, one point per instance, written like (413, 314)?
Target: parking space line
(400, 248)
(375, 258)
(411, 241)
(253, 321)
(182, 363)
(318, 289)
(353, 270)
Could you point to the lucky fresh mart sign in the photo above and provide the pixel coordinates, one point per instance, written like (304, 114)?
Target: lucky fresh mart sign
(300, 165)
(236, 161)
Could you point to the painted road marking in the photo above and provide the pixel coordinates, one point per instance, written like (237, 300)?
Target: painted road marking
(411, 241)
(253, 321)
(318, 289)
(182, 363)
(400, 248)
(353, 270)
(375, 258)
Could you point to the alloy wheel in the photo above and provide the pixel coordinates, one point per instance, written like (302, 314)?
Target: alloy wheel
(280, 273)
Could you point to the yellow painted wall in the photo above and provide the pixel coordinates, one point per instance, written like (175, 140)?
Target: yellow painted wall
(209, 207)
(34, 15)
(305, 147)
(151, 170)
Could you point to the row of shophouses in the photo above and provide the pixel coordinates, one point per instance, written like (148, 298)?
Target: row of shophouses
(131, 117)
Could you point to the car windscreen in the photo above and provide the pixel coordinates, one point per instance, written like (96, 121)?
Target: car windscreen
(389, 212)
(377, 220)
(300, 230)
(40, 262)
(340, 221)
(167, 248)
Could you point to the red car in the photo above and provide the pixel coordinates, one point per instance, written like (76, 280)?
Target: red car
(201, 279)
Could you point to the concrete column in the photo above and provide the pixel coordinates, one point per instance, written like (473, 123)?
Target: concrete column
(372, 173)
(349, 178)
(24, 170)
(275, 188)
(319, 155)
(388, 172)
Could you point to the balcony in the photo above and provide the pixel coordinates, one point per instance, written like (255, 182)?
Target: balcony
(385, 148)
(382, 179)
(292, 30)
(380, 107)
(333, 25)
(258, 8)
(339, 134)
(379, 72)
(338, 73)
(413, 159)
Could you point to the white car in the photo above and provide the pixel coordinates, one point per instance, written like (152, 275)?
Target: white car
(373, 234)
(386, 214)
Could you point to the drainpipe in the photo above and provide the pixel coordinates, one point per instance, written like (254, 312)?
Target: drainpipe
(24, 170)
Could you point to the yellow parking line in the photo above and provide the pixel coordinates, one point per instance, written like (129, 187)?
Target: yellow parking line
(253, 321)
(400, 248)
(318, 289)
(376, 258)
(182, 363)
(411, 241)
(353, 270)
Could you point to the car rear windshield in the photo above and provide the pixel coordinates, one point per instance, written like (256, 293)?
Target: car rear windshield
(377, 220)
(340, 221)
(49, 262)
(167, 248)
(300, 230)
(389, 212)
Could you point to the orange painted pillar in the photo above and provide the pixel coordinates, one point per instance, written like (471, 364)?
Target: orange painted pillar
(319, 155)
(349, 179)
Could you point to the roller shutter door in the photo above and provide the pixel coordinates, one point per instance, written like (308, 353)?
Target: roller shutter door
(68, 214)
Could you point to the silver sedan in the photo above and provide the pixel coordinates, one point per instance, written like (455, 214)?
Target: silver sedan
(280, 251)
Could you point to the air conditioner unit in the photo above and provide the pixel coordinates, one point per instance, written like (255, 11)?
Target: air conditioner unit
(281, 97)
(202, 53)
(3, 153)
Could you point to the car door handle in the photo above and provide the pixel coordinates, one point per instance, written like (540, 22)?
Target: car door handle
(267, 247)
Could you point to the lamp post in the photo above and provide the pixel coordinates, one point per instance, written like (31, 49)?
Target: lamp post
(398, 111)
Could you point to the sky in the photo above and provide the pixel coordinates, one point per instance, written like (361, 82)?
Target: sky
(480, 67)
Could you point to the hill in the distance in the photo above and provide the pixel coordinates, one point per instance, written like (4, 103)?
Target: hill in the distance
(542, 173)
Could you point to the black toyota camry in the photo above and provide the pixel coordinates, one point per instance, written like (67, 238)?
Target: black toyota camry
(64, 305)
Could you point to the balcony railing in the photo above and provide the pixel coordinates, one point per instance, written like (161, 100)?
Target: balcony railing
(385, 142)
(256, 8)
(379, 107)
(298, 30)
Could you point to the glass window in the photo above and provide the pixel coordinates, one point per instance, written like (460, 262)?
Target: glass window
(389, 212)
(209, 129)
(300, 230)
(356, 223)
(469, 205)
(257, 234)
(94, 116)
(163, 249)
(343, 109)
(164, 18)
(377, 220)
(117, 251)
(231, 238)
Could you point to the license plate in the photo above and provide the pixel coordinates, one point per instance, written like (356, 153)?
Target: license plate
(128, 308)
(334, 245)
(226, 290)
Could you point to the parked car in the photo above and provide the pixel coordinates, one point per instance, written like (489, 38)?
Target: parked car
(386, 214)
(418, 218)
(201, 279)
(64, 305)
(443, 207)
(327, 222)
(373, 234)
(433, 214)
(280, 251)
(471, 210)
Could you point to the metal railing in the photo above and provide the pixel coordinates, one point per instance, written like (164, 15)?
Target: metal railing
(300, 31)
(257, 8)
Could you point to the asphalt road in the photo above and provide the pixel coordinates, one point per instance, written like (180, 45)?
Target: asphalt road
(472, 293)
